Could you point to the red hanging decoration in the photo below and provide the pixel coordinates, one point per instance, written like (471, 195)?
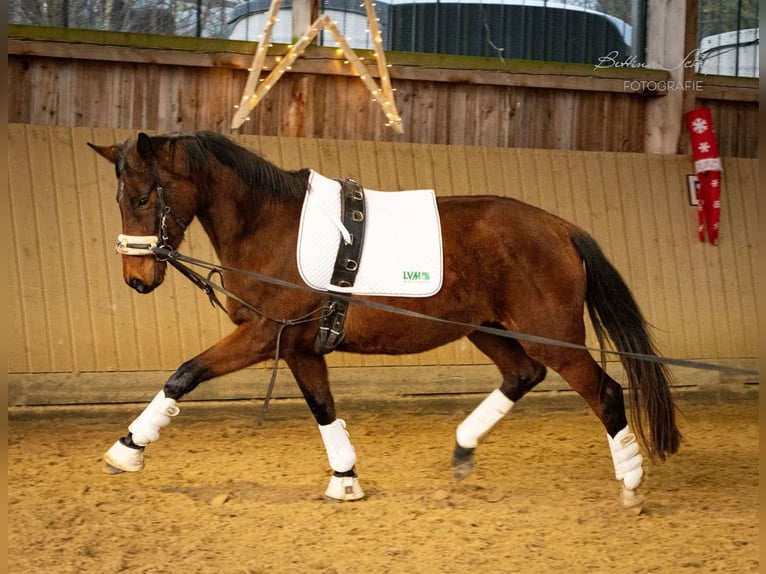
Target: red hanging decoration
(707, 165)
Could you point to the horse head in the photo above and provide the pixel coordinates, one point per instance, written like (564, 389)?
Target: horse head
(155, 197)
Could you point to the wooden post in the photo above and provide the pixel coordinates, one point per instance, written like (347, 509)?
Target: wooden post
(690, 72)
(304, 13)
(665, 44)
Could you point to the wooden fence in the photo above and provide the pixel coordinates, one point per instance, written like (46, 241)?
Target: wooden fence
(98, 79)
(78, 334)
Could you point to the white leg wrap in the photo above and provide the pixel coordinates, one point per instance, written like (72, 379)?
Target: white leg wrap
(627, 458)
(482, 419)
(146, 428)
(340, 451)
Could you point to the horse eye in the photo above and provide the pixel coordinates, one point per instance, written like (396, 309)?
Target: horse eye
(143, 201)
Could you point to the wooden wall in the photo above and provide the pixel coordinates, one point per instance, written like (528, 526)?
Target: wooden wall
(124, 81)
(78, 334)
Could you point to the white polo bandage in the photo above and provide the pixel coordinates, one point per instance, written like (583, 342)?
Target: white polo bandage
(482, 419)
(146, 428)
(627, 458)
(340, 451)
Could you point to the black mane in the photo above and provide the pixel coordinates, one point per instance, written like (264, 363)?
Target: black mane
(255, 171)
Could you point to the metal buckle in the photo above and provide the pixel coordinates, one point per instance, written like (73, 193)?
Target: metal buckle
(351, 265)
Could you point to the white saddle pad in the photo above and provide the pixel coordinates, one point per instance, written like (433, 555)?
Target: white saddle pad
(402, 251)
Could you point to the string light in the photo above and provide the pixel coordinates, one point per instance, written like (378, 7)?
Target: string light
(387, 93)
(241, 116)
(256, 88)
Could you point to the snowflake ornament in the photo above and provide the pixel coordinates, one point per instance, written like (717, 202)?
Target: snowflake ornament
(699, 126)
(704, 147)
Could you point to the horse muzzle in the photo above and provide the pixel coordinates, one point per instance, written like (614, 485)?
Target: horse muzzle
(140, 268)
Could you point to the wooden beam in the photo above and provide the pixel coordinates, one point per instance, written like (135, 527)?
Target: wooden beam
(324, 61)
(728, 88)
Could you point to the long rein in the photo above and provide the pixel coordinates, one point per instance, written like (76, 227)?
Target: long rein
(206, 284)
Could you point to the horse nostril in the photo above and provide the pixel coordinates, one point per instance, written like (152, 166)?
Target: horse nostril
(139, 285)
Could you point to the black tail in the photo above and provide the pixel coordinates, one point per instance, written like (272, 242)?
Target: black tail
(614, 312)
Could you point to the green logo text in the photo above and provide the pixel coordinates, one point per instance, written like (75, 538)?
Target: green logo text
(416, 276)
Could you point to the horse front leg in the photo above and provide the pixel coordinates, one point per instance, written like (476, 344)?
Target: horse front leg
(310, 372)
(232, 353)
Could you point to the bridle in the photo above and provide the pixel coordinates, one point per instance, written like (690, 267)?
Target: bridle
(148, 244)
(160, 247)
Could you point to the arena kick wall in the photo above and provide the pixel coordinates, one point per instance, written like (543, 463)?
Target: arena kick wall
(79, 335)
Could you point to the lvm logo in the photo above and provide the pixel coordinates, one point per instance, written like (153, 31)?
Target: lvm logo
(416, 275)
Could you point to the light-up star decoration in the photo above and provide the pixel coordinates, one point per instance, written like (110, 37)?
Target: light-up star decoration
(256, 89)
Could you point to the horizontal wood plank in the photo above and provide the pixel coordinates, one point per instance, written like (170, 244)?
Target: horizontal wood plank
(87, 78)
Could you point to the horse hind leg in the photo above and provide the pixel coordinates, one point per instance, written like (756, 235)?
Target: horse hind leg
(604, 395)
(520, 375)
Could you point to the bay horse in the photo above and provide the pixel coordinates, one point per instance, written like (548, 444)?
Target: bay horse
(507, 265)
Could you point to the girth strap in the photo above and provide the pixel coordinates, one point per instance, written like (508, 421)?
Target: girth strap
(331, 332)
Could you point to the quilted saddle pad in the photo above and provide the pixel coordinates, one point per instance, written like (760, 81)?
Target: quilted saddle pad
(402, 250)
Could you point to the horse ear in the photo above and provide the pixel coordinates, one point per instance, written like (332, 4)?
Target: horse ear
(110, 152)
(144, 147)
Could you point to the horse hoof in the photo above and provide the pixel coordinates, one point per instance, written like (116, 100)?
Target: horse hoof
(462, 462)
(344, 488)
(121, 458)
(631, 502)
(109, 469)
(462, 470)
